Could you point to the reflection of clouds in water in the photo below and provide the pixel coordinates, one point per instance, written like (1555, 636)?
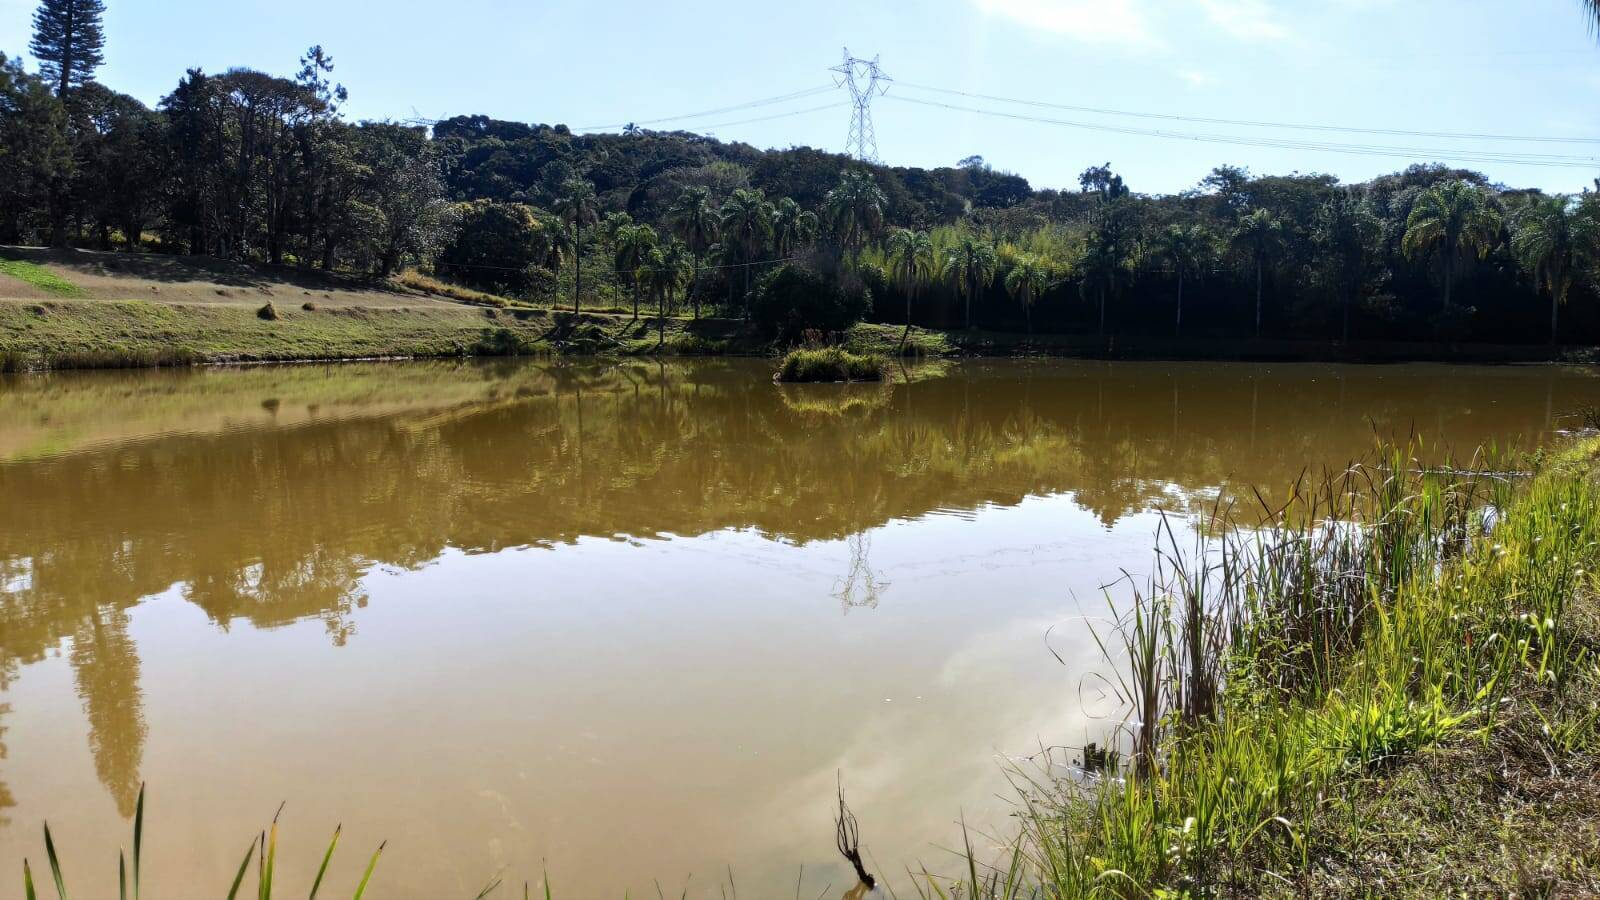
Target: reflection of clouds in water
(960, 746)
(988, 499)
(16, 575)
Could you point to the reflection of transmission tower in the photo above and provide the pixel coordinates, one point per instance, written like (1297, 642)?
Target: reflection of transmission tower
(865, 81)
(860, 588)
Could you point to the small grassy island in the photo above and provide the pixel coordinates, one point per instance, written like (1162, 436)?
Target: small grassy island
(829, 364)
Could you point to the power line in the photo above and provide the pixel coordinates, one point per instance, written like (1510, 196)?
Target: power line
(766, 101)
(782, 115)
(1476, 156)
(1248, 123)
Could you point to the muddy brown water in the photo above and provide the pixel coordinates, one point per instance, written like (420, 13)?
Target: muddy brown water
(624, 622)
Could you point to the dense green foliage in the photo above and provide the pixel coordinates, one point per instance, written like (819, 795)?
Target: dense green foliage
(792, 300)
(250, 165)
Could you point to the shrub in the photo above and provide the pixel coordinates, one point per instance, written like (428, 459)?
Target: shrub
(829, 364)
(308, 306)
(502, 342)
(793, 299)
(268, 312)
(496, 247)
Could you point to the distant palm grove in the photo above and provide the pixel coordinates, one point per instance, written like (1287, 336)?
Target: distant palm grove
(265, 168)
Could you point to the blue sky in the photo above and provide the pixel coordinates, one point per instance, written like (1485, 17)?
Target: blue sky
(1527, 68)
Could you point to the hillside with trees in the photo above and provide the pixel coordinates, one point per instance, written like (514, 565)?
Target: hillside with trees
(267, 168)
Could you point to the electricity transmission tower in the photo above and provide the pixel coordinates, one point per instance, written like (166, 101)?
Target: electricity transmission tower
(865, 81)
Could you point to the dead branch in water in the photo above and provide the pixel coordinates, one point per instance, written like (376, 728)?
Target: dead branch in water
(847, 837)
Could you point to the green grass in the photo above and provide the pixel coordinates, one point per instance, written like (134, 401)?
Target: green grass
(263, 849)
(137, 333)
(810, 365)
(39, 277)
(1302, 699)
(884, 340)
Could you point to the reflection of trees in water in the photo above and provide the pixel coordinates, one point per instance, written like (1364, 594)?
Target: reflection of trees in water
(107, 669)
(860, 587)
(279, 524)
(8, 669)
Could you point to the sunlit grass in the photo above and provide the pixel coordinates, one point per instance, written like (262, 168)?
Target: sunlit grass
(40, 277)
(827, 364)
(1266, 671)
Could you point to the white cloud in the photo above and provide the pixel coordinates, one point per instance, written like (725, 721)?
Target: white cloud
(1249, 20)
(1196, 78)
(1123, 22)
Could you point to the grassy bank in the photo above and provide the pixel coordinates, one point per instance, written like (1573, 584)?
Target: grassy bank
(1406, 708)
(81, 309)
(103, 334)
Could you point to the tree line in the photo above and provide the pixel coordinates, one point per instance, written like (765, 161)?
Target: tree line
(267, 168)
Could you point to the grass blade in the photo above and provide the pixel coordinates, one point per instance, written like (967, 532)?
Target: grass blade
(325, 858)
(138, 839)
(55, 864)
(122, 876)
(362, 887)
(27, 882)
(269, 858)
(238, 879)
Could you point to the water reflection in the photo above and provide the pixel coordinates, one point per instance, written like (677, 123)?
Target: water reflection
(271, 496)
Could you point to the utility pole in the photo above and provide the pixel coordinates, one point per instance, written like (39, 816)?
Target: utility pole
(865, 81)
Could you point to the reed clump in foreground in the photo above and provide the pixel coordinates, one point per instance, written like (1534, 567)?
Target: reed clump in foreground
(263, 849)
(824, 364)
(1390, 687)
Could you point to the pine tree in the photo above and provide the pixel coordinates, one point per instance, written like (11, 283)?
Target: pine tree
(68, 41)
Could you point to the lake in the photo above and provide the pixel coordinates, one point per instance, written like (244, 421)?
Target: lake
(624, 622)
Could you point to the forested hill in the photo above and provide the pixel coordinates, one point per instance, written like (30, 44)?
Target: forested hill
(254, 166)
(643, 172)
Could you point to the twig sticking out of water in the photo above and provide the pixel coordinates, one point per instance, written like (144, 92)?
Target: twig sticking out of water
(847, 837)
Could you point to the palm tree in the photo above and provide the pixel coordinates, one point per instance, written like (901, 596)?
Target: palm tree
(576, 207)
(970, 265)
(1346, 234)
(1104, 265)
(1451, 221)
(670, 268)
(854, 208)
(632, 243)
(792, 226)
(552, 245)
(1259, 237)
(1029, 277)
(746, 225)
(1553, 237)
(694, 220)
(1188, 248)
(1591, 9)
(911, 267)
